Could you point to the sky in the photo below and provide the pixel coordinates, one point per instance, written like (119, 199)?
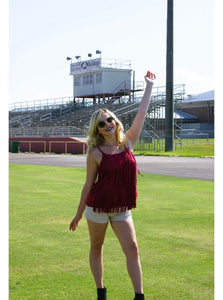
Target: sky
(42, 33)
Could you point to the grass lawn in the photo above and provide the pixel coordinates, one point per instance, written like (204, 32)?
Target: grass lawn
(174, 225)
(187, 147)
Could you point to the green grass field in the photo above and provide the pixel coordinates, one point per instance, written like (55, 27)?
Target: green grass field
(174, 225)
(186, 147)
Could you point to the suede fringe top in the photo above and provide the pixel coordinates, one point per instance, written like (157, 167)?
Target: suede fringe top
(115, 189)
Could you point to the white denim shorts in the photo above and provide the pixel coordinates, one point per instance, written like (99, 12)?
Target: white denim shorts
(105, 217)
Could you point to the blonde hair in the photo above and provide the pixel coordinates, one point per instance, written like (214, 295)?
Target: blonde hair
(93, 138)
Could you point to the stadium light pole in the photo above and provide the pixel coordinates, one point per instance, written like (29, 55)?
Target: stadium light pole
(169, 122)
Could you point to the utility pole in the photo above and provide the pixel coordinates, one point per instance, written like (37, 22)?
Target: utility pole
(169, 124)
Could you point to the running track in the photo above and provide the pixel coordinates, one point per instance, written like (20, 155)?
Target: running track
(187, 167)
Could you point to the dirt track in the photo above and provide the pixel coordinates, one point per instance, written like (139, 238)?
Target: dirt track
(188, 167)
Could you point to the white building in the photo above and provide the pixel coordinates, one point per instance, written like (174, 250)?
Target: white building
(97, 78)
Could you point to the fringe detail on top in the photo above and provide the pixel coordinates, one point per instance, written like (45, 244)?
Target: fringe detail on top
(115, 190)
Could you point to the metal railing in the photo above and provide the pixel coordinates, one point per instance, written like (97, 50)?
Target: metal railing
(116, 63)
(42, 104)
(52, 131)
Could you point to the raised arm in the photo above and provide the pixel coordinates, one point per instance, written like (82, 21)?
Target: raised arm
(133, 133)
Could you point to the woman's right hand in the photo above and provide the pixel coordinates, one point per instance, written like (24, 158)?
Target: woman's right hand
(74, 223)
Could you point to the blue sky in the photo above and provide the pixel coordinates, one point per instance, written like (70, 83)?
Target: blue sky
(42, 33)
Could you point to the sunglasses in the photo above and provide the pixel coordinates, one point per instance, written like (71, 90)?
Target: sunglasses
(101, 124)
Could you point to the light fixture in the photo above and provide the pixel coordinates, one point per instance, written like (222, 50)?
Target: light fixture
(98, 52)
(78, 57)
(89, 55)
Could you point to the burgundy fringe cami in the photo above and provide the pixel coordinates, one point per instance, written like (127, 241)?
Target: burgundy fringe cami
(115, 189)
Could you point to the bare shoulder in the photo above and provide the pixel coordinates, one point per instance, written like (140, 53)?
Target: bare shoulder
(95, 156)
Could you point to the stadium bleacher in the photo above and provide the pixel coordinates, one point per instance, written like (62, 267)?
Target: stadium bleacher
(60, 118)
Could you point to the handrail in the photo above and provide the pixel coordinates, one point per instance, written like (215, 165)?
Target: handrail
(124, 85)
(124, 108)
(50, 131)
(116, 63)
(39, 104)
(53, 103)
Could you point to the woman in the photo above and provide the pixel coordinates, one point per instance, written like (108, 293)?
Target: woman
(109, 192)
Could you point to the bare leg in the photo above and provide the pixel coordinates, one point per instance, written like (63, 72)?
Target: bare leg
(125, 232)
(97, 235)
